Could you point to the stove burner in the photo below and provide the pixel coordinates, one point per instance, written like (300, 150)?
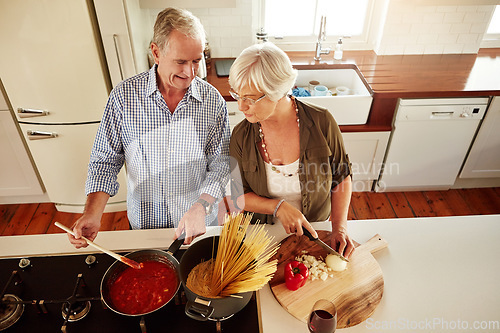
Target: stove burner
(24, 263)
(10, 312)
(77, 310)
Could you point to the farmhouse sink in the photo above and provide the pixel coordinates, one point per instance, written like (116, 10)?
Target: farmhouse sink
(351, 109)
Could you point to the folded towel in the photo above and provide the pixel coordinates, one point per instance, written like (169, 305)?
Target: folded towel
(300, 92)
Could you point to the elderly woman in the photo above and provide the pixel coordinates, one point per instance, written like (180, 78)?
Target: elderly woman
(290, 155)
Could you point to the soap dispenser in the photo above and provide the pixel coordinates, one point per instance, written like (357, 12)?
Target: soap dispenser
(339, 52)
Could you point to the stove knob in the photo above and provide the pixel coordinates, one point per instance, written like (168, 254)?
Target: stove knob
(91, 260)
(24, 263)
(464, 115)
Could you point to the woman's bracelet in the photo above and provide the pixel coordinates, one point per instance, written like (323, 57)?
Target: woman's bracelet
(277, 207)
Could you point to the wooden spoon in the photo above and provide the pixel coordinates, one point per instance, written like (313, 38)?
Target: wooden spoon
(125, 260)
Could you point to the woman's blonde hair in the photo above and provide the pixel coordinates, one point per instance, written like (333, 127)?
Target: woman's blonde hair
(266, 67)
(181, 20)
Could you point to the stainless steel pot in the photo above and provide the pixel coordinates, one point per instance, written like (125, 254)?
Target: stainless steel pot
(199, 307)
(140, 256)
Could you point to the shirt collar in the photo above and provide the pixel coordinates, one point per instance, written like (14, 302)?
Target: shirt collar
(152, 86)
(193, 90)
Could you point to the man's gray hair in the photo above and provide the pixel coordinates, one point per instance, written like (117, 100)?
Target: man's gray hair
(181, 20)
(265, 67)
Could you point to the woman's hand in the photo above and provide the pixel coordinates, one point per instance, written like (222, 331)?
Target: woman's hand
(293, 220)
(341, 241)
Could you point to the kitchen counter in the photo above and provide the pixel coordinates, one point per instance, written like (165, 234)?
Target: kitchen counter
(404, 76)
(440, 273)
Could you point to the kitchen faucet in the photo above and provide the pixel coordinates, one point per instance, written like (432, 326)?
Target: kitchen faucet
(321, 37)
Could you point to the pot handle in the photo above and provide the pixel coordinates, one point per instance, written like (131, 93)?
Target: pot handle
(176, 244)
(198, 311)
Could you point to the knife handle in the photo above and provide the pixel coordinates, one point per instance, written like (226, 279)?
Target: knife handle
(308, 234)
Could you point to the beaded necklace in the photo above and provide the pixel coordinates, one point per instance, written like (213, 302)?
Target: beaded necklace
(261, 134)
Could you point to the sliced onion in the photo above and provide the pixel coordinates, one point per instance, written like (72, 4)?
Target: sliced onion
(335, 263)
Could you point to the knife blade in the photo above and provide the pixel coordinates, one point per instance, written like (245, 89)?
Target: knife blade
(323, 244)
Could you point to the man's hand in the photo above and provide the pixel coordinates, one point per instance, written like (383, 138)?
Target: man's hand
(192, 223)
(88, 225)
(84, 226)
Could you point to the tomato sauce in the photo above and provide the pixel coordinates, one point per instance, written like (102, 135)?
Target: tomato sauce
(137, 291)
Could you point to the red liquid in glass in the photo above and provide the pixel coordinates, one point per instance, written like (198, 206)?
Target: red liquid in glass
(322, 321)
(143, 290)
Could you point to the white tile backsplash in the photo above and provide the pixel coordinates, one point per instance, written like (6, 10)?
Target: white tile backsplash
(433, 29)
(229, 30)
(409, 28)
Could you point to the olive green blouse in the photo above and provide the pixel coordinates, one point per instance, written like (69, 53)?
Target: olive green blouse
(323, 165)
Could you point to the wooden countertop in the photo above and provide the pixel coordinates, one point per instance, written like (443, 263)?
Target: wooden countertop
(404, 76)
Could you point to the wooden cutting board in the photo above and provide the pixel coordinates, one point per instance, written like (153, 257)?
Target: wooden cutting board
(356, 292)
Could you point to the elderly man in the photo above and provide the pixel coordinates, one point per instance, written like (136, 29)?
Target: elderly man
(171, 129)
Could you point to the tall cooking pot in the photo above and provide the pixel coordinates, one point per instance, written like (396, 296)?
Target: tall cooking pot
(199, 307)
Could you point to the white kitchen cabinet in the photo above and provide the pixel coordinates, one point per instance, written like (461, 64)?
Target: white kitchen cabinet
(125, 37)
(18, 177)
(66, 173)
(366, 152)
(483, 160)
(53, 63)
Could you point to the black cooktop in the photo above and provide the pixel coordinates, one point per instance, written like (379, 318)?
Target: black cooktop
(48, 281)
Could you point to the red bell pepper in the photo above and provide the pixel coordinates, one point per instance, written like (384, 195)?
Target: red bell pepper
(296, 274)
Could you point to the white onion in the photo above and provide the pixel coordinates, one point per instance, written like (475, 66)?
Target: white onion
(335, 263)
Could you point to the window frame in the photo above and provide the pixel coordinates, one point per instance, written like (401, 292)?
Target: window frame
(491, 40)
(301, 43)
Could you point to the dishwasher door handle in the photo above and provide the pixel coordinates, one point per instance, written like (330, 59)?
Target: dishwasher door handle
(442, 114)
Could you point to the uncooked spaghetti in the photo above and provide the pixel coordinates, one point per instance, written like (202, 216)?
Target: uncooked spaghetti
(242, 262)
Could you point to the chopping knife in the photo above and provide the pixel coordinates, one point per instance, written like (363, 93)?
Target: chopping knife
(323, 244)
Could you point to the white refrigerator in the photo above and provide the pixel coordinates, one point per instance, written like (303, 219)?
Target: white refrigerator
(56, 76)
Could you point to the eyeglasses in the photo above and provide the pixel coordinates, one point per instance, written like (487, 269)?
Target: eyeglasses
(250, 101)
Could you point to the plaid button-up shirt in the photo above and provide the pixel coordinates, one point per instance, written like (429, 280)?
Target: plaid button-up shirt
(171, 158)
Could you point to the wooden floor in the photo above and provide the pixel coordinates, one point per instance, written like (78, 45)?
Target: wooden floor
(27, 219)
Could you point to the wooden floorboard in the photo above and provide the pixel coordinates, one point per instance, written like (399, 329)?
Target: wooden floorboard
(29, 219)
(456, 202)
(362, 206)
(20, 220)
(480, 200)
(400, 204)
(437, 202)
(419, 204)
(380, 205)
(44, 215)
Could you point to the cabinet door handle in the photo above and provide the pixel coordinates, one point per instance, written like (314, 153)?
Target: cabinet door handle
(27, 113)
(117, 50)
(39, 135)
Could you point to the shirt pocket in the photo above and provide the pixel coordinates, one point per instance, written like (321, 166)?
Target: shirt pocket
(254, 178)
(317, 168)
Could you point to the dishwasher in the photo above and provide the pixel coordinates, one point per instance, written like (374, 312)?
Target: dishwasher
(429, 142)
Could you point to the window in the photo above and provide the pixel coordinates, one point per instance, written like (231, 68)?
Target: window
(494, 27)
(492, 36)
(296, 23)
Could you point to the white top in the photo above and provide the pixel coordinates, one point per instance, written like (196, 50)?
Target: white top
(285, 187)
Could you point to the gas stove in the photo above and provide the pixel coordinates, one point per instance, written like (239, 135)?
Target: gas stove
(62, 294)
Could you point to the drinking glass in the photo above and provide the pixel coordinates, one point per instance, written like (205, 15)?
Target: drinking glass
(323, 317)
